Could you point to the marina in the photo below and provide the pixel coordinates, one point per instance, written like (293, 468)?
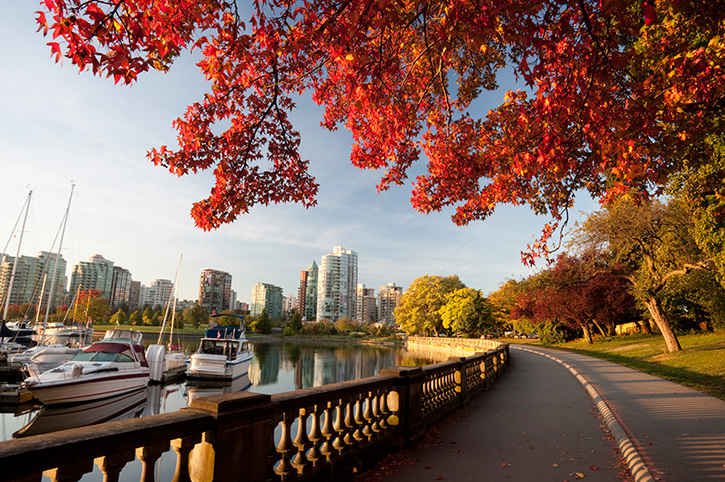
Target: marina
(274, 368)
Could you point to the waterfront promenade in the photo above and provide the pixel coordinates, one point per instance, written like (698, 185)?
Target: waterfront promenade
(541, 423)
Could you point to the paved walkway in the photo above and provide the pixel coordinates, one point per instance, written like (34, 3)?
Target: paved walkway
(556, 416)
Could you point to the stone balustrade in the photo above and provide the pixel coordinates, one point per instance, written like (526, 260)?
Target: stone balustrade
(321, 433)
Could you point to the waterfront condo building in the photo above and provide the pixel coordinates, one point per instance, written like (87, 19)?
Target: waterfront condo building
(308, 292)
(94, 274)
(388, 300)
(337, 285)
(367, 309)
(32, 278)
(120, 287)
(215, 290)
(268, 297)
(160, 293)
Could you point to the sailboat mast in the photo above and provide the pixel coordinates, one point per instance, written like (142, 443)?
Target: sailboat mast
(17, 255)
(173, 310)
(57, 256)
(168, 305)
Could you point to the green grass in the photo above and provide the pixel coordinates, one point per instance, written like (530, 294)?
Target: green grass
(700, 365)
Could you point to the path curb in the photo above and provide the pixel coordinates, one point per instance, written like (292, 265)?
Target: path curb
(636, 465)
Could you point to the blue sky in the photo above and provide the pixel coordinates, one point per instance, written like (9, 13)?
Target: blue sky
(57, 125)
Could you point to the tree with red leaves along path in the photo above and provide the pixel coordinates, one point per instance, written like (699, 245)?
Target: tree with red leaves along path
(620, 94)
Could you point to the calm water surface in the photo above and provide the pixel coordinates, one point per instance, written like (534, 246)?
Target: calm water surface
(275, 368)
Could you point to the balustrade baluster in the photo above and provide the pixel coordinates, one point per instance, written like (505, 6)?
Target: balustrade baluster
(328, 433)
(183, 447)
(384, 412)
(148, 456)
(315, 437)
(349, 423)
(285, 448)
(302, 442)
(339, 442)
(359, 420)
(111, 465)
(369, 431)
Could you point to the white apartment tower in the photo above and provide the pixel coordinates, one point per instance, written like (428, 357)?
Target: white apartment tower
(388, 300)
(160, 292)
(337, 285)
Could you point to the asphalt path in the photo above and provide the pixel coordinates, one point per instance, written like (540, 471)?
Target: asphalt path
(557, 416)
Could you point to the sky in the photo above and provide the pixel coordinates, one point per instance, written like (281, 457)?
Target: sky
(59, 126)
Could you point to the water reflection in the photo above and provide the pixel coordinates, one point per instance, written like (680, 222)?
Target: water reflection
(52, 419)
(275, 368)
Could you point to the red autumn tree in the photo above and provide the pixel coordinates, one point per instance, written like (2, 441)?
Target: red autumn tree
(619, 94)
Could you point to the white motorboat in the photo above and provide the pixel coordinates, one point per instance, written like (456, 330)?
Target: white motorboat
(45, 356)
(224, 354)
(110, 367)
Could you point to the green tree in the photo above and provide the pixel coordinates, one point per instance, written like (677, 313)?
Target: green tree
(136, 318)
(119, 317)
(195, 316)
(648, 243)
(702, 189)
(420, 304)
(264, 324)
(295, 322)
(466, 311)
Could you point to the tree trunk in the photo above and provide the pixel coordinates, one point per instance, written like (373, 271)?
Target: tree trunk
(587, 334)
(658, 315)
(599, 327)
(644, 325)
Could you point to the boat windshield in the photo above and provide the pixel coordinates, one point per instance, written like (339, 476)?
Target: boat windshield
(102, 356)
(218, 347)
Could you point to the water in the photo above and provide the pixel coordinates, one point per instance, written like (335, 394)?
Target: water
(275, 368)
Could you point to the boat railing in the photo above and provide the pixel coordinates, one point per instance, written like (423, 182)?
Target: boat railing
(321, 433)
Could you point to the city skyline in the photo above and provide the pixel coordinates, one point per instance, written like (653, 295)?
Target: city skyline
(57, 125)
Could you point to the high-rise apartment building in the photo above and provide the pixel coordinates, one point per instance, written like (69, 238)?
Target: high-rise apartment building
(366, 306)
(120, 287)
(308, 292)
(388, 300)
(94, 274)
(32, 278)
(160, 293)
(289, 303)
(215, 290)
(134, 295)
(267, 297)
(337, 285)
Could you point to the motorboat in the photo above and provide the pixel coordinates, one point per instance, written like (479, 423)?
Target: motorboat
(109, 367)
(60, 334)
(52, 418)
(45, 356)
(224, 354)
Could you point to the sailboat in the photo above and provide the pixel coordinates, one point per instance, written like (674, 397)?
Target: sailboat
(15, 337)
(163, 361)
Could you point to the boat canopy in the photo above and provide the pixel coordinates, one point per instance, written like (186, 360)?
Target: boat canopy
(224, 332)
(108, 347)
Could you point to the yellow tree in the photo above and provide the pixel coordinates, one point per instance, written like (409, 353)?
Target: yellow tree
(418, 312)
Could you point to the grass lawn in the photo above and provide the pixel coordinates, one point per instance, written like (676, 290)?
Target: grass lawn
(700, 364)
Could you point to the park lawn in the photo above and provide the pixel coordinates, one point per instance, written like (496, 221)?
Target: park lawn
(150, 328)
(700, 365)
